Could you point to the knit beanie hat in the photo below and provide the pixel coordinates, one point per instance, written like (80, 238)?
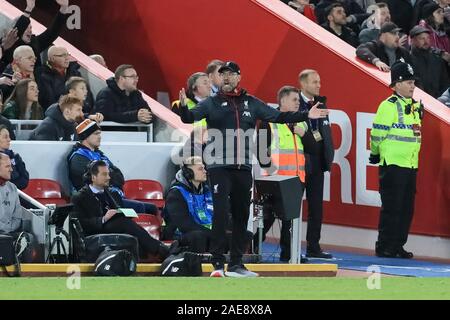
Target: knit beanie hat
(86, 128)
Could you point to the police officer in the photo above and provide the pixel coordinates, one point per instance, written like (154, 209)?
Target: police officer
(233, 113)
(395, 144)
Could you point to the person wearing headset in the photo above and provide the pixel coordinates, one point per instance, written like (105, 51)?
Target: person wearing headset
(395, 141)
(189, 208)
(96, 204)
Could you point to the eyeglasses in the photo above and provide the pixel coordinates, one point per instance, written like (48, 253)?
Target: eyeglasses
(228, 74)
(62, 55)
(133, 77)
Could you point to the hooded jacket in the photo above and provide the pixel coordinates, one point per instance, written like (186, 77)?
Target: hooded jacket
(116, 105)
(54, 127)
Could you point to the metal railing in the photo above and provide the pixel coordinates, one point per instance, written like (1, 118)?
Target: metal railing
(23, 128)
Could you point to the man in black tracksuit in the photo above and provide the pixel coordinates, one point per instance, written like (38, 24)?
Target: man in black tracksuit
(231, 119)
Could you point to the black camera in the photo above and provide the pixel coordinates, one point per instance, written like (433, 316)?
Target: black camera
(60, 215)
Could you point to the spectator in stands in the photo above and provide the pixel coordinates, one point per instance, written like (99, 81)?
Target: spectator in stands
(23, 103)
(336, 24)
(76, 87)
(54, 75)
(402, 13)
(355, 14)
(212, 70)
(87, 150)
(22, 67)
(384, 52)
(104, 218)
(121, 101)
(378, 19)
(433, 20)
(365, 4)
(445, 98)
(99, 59)
(4, 121)
(429, 67)
(304, 7)
(7, 41)
(60, 121)
(44, 40)
(19, 175)
(189, 207)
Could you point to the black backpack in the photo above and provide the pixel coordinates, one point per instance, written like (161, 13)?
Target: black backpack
(185, 264)
(115, 263)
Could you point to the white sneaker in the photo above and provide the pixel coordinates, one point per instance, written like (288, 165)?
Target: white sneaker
(219, 273)
(240, 271)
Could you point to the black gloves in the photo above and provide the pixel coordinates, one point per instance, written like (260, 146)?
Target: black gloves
(374, 158)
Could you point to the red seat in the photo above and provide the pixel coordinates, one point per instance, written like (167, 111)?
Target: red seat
(150, 223)
(45, 191)
(145, 190)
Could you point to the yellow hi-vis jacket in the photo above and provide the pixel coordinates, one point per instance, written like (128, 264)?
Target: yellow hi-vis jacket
(287, 151)
(395, 135)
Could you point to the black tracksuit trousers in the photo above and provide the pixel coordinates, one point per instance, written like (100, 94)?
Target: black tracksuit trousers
(397, 190)
(231, 193)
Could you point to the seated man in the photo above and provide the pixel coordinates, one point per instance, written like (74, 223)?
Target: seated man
(53, 77)
(189, 207)
(121, 101)
(60, 120)
(87, 150)
(11, 219)
(96, 204)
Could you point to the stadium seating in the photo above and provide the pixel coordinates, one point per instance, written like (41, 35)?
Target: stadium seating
(145, 190)
(45, 191)
(151, 224)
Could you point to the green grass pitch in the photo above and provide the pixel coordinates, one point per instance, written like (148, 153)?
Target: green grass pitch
(223, 288)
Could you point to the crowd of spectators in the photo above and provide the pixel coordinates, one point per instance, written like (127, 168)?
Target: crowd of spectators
(384, 31)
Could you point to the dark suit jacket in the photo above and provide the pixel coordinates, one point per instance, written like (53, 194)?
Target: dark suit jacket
(312, 154)
(89, 211)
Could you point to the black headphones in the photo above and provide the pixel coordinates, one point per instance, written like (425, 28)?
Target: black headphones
(188, 173)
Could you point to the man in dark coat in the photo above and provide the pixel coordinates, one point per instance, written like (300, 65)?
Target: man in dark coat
(319, 153)
(386, 51)
(336, 24)
(121, 101)
(95, 205)
(60, 121)
(53, 77)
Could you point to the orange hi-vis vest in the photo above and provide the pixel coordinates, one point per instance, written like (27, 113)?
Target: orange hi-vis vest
(287, 151)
